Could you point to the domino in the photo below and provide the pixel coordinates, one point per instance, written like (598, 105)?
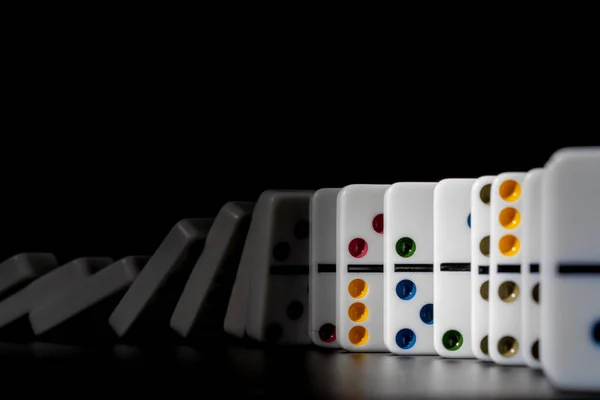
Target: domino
(234, 322)
(201, 304)
(570, 270)
(170, 256)
(278, 293)
(359, 269)
(408, 268)
(530, 266)
(452, 268)
(86, 306)
(505, 339)
(322, 283)
(480, 265)
(48, 286)
(21, 269)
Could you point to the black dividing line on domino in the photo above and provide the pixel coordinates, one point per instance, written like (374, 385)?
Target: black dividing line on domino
(289, 270)
(578, 269)
(455, 267)
(534, 268)
(509, 268)
(326, 267)
(484, 270)
(365, 268)
(413, 267)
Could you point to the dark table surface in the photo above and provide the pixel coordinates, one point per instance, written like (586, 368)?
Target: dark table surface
(241, 369)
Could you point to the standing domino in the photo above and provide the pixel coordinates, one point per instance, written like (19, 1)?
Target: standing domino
(278, 291)
(360, 268)
(570, 270)
(480, 266)
(452, 265)
(505, 338)
(408, 268)
(530, 271)
(322, 292)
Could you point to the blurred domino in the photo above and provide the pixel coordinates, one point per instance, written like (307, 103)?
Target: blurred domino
(505, 337)
(21, 269)
(322, 289)
(408, 268)
(359, 269)
(530, 270)
(480, 266)
(104, 285)
(570, 270)
(213, 274)
(48, 286)
(278, 300)
(170, 255)
(452, 266)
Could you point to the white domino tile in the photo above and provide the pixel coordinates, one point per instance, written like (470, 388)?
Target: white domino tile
(359, 269)
(506, 291)
(322, 282)
(278, 290)
(570, 270)
(408, 268)
(452, 265)
(530, 266)
(480, 265)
